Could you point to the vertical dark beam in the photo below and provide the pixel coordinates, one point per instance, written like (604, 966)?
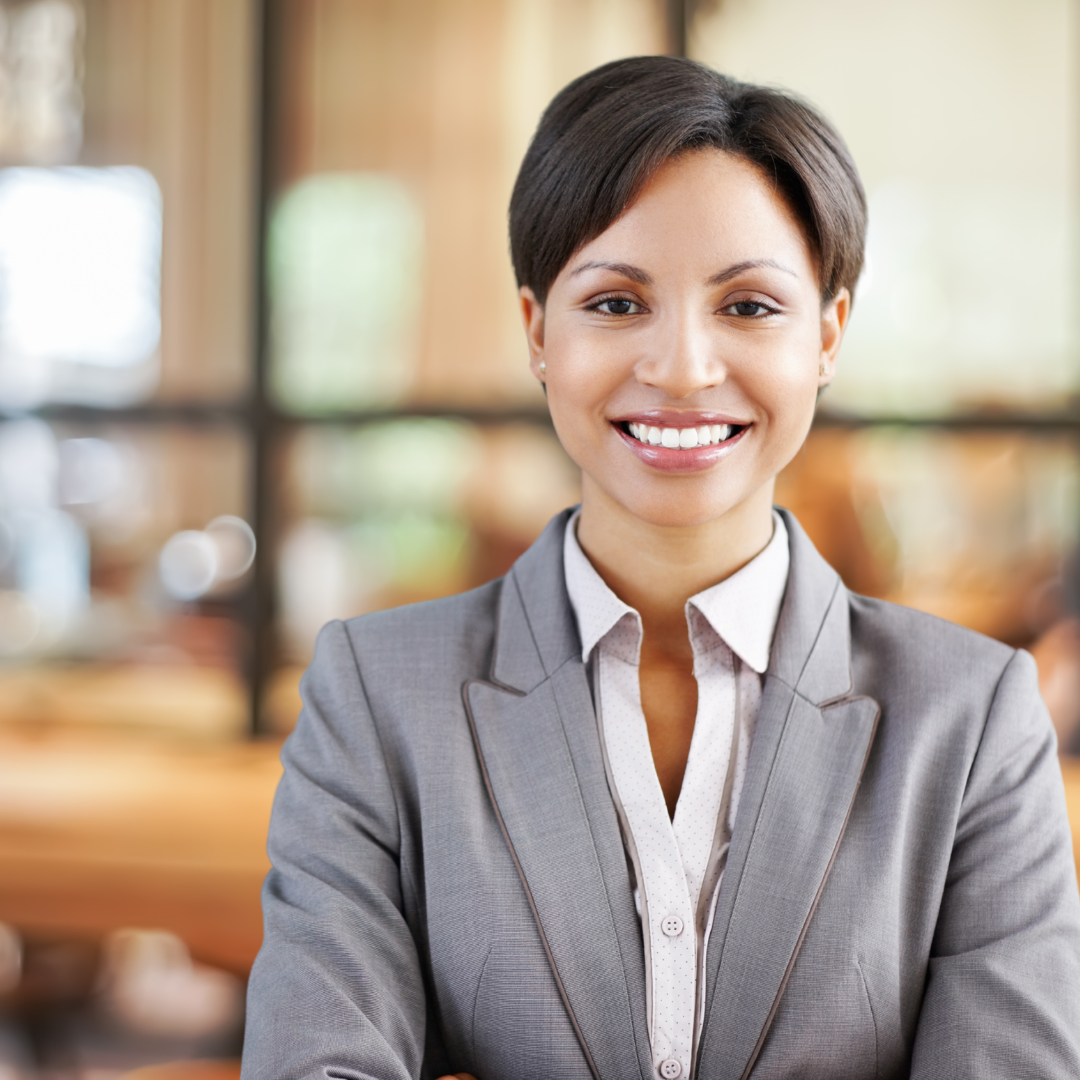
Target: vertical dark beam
(677, 12)
(260, 413)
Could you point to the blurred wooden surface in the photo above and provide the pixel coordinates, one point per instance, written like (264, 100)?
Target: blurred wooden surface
(187, 1070)
(99, 832)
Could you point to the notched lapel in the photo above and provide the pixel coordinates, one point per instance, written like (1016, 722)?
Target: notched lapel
(803, 814)
(562, 834)
(811, 743)
(536, 794)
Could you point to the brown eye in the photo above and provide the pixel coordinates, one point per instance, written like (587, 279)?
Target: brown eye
(616, 306)
(749, 307)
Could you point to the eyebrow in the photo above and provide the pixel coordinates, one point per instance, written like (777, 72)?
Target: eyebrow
(749, 264)
(635, 273)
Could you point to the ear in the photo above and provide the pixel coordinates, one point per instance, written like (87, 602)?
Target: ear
(532, 312)
(834, 317)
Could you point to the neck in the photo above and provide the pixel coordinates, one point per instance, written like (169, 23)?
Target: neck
(657, 568)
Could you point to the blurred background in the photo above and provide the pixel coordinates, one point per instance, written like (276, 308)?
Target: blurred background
(260, 367)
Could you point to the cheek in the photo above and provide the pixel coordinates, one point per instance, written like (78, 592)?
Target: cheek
(582, 371)
(784, 380)
(576, 388)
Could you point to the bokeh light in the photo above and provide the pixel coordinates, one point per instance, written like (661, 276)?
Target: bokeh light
(80, 258)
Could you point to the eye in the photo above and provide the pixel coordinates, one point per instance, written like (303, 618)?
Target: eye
(616, 305)
(749, 309)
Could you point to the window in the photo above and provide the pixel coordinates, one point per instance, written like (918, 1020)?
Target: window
(127, 154)
(261, 365)
(379, 440)
(420, 459)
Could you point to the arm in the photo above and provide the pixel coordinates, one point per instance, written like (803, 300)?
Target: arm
(337, 986)
(1003, 988)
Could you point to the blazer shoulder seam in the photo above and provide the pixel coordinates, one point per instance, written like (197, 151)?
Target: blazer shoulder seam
(838, 586)
(376, 728)
(512, 576)
(1013, 656)
(491, 680)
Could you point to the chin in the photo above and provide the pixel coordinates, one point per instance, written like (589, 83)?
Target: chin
(682, 507)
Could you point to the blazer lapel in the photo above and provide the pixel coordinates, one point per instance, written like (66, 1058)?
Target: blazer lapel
(535, 731)
(811, 742)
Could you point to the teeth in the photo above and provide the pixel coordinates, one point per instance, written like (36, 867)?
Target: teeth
(682, 438)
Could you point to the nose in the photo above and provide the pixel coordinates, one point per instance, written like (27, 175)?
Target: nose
(682, 357)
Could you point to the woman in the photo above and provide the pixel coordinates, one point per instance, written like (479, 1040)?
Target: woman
(667, 799)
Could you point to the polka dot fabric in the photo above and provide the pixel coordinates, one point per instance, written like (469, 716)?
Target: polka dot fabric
(679, 863)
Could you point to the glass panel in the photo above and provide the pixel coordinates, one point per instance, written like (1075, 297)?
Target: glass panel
(128, 277)
(964, 127)
(121, 547)
(345, 256)
(80, 258)
(405, 510)
(404, 126)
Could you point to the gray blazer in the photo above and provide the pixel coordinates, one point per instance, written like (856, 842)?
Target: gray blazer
(450, 890)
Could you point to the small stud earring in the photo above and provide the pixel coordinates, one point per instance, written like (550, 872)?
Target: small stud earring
(821, 370)
(543, 367)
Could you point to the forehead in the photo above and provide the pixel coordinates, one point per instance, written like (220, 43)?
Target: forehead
(703, 206)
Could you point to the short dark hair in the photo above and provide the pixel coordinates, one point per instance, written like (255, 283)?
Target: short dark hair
(606, 134)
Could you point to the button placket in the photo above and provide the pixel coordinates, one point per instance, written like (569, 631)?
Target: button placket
(672, 926)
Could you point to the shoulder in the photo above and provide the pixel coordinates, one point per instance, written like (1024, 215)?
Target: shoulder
(451, 635)
(397, 669)
(902, 632)
(932, 670)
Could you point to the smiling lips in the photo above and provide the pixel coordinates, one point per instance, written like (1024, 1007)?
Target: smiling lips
(681, 438)
(680, 449)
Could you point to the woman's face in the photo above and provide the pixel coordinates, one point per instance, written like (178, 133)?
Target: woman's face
(683, 348)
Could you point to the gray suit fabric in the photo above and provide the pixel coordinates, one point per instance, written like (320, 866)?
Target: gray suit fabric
(450, 890)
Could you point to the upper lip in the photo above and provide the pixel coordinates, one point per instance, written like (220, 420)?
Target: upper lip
(671, 418)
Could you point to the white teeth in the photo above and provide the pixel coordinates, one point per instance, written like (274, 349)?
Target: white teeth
(681, 438)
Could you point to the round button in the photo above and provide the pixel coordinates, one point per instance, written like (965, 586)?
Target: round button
(672, 927)
(670, 1068)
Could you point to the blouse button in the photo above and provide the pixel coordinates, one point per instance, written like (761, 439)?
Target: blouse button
(672, 927)
(670, 1068)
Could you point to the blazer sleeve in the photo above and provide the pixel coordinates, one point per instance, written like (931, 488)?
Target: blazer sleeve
(1002, 996)
(337, 988)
